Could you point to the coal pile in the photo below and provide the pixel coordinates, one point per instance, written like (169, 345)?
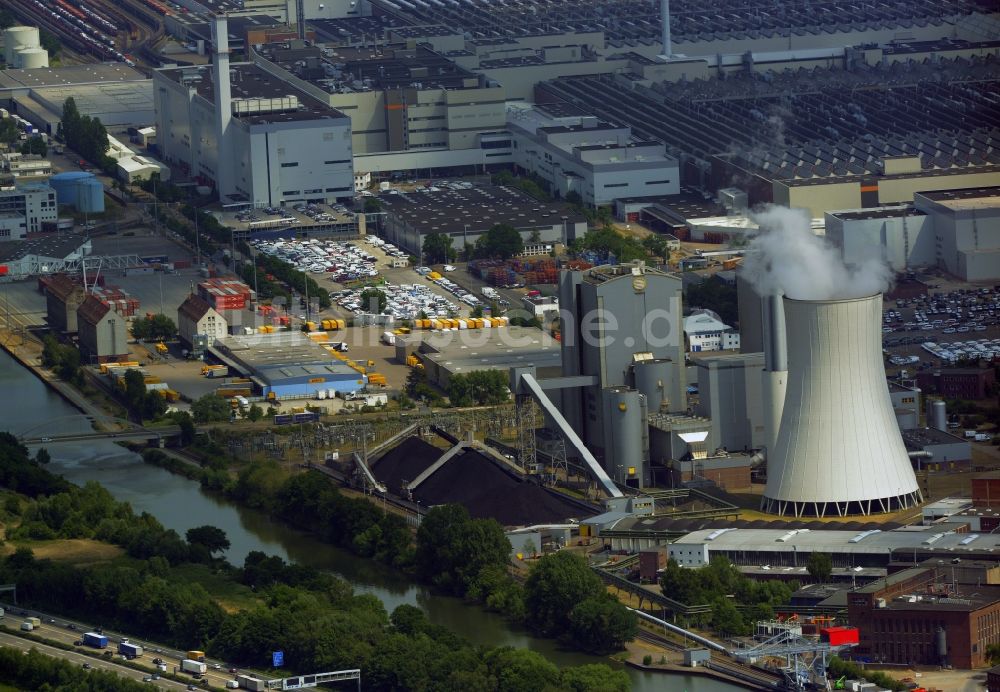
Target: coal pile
(404, 462)
(489, 491)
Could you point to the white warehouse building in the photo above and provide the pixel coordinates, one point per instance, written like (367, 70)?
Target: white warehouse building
(580, 153)
(955, 230)
(274, 144)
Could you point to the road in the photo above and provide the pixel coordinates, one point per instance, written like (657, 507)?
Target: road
(14, 642)
(58, 629)
(166, 431)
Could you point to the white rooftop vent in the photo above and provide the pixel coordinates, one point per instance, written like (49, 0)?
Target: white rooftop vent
(864, 534)
(718, 532)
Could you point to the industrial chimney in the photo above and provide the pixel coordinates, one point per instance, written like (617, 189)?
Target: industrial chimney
(775, 367)
(225, 176)
(665, 15)
(838, 451)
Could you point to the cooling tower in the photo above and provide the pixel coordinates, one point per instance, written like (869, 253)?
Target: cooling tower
(838, 450)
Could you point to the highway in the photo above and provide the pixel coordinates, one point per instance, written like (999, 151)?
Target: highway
(66, 631)
(14, 642)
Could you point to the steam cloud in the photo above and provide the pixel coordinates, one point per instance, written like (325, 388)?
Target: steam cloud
(787, 257)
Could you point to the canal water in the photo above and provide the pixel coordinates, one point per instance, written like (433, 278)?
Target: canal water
(30, 407)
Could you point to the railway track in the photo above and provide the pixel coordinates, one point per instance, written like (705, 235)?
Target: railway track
(759, 678)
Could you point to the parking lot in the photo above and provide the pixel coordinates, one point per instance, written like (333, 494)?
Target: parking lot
(964, 322)
(303, 215)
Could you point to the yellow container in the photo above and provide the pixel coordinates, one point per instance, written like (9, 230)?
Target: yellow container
(311, 326)
(433, 276)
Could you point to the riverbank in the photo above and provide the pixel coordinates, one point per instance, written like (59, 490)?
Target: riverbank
(27, 351)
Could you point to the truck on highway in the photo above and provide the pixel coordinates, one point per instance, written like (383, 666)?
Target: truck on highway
(35, 622)
(197, 667)
(196, 655)
(248, 682)
(95, 640)
(129, 650)
(27, 626)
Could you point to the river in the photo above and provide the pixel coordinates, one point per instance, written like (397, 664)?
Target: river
(180, 504)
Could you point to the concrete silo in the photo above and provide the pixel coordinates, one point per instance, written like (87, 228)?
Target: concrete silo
(655, 379)
(626, 436)
(31, 58)
(17, 38)
(838, 451)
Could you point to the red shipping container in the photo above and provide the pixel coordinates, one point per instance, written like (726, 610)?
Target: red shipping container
(839, 636)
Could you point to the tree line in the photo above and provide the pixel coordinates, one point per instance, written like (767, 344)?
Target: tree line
(315, 617)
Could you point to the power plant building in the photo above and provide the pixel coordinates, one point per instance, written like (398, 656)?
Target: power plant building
(622, 334)
(258, 139)
(730, 393)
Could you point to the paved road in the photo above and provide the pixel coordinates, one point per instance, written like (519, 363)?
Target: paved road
(15, 642)
(167, 431)
(58, 629)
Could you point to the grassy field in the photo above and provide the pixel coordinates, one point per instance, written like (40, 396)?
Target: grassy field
(228, 594)
(76, 551)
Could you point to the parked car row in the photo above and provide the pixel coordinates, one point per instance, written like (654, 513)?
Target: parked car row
(386, 247)
(339, 260)
(403, 302)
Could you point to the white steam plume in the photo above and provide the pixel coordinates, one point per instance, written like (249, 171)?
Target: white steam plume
(787, 257)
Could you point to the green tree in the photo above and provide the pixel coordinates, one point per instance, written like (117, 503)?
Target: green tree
(595, 678)
(255, 413)
(49, 42)
(502, 241)
(155, 327)
(35, 145)
(437, 248)
(993, 654)
(556, 584)
(819, 566)
(713, 294)
(476, 311)
(726, 619)
(135, 393)
(453, 548)
(521, 670)
(186, 424)
(9, 132)
(373, 205)
(211, 408)
(657, 246)
(373, 300)
(212, 538)
(601, 624)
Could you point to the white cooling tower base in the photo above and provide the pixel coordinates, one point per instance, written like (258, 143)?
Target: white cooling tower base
(884, 505)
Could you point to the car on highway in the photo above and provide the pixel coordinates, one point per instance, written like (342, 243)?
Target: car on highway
(70, 626)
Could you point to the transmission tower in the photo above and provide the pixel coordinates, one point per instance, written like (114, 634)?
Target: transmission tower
(526, 432)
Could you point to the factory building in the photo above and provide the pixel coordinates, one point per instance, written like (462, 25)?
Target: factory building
(462, 352)
(791, 547)
(621, 329)
(956, 230)
(598, 161)
(103, 335)
(410, 108)
(260, 140)
(926, 616)
(113, 92)
(25, 208)
(729, 393)
(287, 364)
(466, 214)
(958, 383)
(197, 317)
(900, 235)
(25, 167)
(948, 453)
(42, 255)
(967, 229)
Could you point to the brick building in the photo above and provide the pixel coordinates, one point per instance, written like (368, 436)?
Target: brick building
(958, 383)
(924, 616)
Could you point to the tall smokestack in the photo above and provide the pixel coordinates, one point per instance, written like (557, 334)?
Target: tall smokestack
(300, 18)
(775, 367)
(665, 13)
(223, 107)
(839, 451)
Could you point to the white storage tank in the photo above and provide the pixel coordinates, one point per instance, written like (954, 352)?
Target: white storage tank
(31, 58)
(16, 38)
